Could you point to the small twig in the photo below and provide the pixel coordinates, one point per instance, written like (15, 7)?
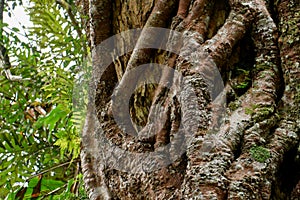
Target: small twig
(11, 77)
(54, 191)
(48, 170)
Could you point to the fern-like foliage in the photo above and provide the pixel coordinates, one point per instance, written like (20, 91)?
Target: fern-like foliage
(40, 127)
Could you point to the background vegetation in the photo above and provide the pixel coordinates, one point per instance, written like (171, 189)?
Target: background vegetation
(39, 135)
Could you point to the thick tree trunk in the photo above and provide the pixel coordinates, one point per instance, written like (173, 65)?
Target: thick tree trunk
(248, 149)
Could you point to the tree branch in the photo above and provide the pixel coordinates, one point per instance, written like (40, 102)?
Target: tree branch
(51, 169)
(68, 8)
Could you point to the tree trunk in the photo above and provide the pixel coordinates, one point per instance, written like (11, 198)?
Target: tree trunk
(178, 132)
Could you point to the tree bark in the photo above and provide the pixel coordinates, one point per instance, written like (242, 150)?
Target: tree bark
(246, 149)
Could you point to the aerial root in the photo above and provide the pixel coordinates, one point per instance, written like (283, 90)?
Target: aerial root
(248, 175)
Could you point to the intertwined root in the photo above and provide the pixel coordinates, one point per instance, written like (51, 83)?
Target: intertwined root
(234, 156)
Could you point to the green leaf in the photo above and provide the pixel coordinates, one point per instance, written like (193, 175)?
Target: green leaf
(15, 29)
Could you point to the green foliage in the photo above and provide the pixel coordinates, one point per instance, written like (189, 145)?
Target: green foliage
(251, 110)
(259, 153)
(233, 105)
(245, 77)
(71, 196)
(39, 124)
(241, 79)
(47, 189)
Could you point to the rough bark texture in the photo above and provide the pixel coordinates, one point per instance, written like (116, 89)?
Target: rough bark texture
(250, 152)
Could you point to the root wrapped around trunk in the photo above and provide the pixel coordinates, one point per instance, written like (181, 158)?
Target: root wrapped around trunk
(182, 139)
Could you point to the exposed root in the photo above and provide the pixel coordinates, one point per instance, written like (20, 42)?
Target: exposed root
(183, 8)
(246, 172)
(141, 54)
(98, 29)
(209, 156)
(221, 45)
(158, 18)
